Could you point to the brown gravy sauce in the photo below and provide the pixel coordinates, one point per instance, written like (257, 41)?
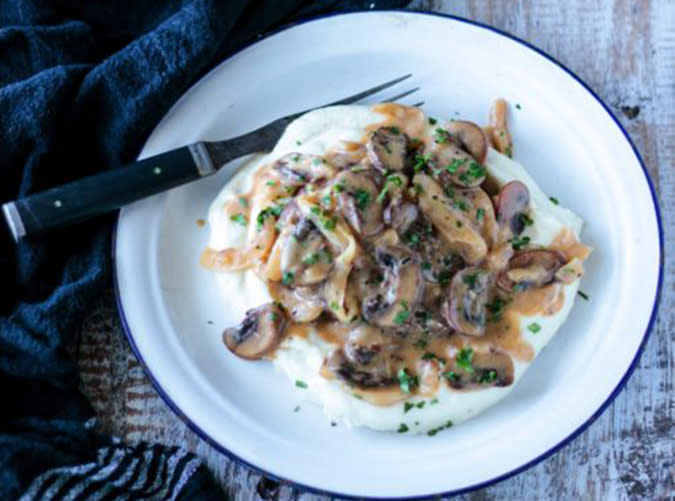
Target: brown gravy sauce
(413, 348)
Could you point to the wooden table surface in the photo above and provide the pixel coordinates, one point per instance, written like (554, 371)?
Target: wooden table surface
(625, 50)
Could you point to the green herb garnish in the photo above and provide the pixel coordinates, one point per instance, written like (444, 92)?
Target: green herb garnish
(403, 428)
(525, 220)
(406, 381)
(534, 327)
(480, 214)
(421, 161)
(243, 201)
(362, 199)
(470, 279)
(519, 242)
(441, 136)
(287, 278)
(401, 317)
(239, 219)
(311, 259)
(488, 377)
(583, 295)
(433, 431)
(300, 384)
(463, 359)
(455, 165)
(554, 200)
(461, 205)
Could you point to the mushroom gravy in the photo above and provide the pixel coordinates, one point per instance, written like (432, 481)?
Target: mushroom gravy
(397, 252)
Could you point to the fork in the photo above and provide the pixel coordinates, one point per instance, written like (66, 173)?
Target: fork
(95, 195)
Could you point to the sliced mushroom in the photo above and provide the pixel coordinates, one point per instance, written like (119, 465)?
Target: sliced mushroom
(387, 148)
(530, 269)
(464, 308)
(258, 334)
(452, 223)
(348, 154)
(366, 345)
(305, 257)
(400, 214)
(298, 169)
(470, 137)
(303, 304)
(429, 316)
(394, 301)
(487, 368)
(354, 374)
(512, 206)
(357, 194)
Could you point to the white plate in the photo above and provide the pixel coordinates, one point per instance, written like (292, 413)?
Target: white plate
(563, 134)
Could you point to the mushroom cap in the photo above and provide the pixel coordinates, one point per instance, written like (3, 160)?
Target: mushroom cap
(464, 308)
(470, 137)
(303, 304)
(387, 148)
(400, 214)
(365, 345)
(530, 269)
(488, 368)
(357, 200)
(394, 300)
(513, 201)
(258, 334)
(298, 169)
(377, 376)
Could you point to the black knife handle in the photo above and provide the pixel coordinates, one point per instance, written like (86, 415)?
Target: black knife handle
(101, 193)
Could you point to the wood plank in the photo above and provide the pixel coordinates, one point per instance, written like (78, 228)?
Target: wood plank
(626, 51)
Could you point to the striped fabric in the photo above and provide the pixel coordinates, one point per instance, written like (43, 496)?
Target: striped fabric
(143, 472)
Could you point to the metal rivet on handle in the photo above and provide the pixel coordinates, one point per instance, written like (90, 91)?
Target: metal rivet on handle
(57, 203)
(157, 171)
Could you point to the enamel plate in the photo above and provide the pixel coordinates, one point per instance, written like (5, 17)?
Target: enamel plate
(563, 134)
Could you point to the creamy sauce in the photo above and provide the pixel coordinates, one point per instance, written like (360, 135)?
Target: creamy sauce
(308, 345)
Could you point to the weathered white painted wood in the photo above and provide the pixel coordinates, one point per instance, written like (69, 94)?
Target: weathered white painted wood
(626, 51)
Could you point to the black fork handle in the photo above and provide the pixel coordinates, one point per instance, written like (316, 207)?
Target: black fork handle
(95, 195)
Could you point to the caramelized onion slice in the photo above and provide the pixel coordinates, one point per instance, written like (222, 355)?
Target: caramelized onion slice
(452, 224)
(305, 257)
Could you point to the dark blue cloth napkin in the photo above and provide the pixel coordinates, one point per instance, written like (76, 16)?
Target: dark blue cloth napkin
(81, 86)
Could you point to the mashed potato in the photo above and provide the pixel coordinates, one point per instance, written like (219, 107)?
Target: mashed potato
(301, 358)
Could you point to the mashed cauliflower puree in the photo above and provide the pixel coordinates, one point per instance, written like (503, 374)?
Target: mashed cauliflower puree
(454, 392)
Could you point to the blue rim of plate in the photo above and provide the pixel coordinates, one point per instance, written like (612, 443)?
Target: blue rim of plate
(622, 383)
